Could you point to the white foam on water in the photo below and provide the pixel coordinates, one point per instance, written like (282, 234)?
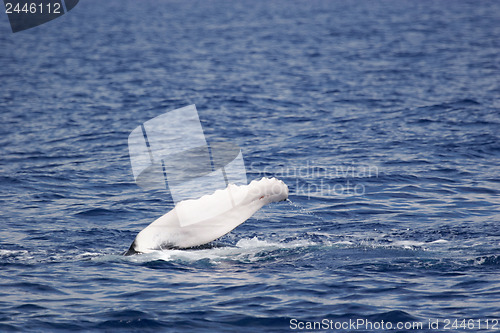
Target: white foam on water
(245, 249)
(342, 243)
(407, 244)
(9, 253)
(439, 241)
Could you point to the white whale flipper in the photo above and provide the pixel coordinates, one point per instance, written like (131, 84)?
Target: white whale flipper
(196, 222)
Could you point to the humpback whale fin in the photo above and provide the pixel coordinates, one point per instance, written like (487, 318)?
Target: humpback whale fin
(196, 222)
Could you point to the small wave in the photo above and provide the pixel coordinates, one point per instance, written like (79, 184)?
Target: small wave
(37, 288)
(491, 260)
(29, 307)
(96, 212)
(136, 323)
(392, 316)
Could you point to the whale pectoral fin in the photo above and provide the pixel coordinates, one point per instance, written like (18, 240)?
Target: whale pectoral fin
(200, 221)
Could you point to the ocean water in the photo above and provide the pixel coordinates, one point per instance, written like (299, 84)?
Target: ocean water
(382, 117)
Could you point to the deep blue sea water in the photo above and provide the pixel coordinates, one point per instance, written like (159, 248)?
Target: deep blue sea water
(382, 117)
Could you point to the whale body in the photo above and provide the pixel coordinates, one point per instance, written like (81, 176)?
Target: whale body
(197, 222)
